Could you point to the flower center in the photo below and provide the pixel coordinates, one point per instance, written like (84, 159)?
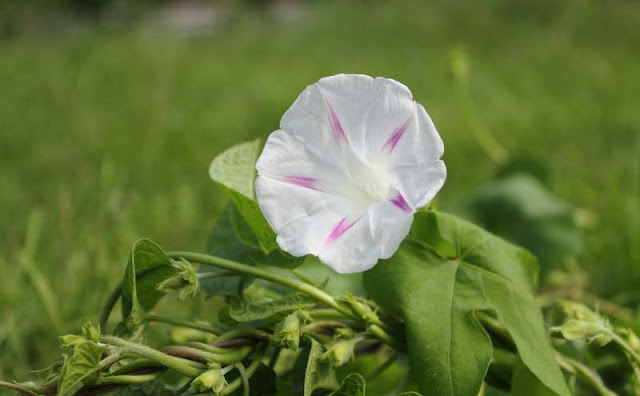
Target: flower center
(376, 191)
(367, 186)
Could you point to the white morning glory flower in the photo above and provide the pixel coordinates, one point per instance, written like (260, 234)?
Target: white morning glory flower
(353, 159)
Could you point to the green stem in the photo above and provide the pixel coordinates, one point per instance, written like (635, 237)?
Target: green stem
(183, 323)
(383, 336)
(150, 353)
(266, 275)
(245, 379)
(235, 384)
(239, 333)
(627, 348)
(295, 284)
(135, 365)
(325, 313)
(298, 274)
(232, 356)
(17, 388)
(130, 379)
(209, 348)
(108, 306)
(586, 374)
(382, 368)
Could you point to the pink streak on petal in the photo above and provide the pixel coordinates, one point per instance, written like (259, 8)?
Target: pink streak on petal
(338, 130)
(397, 134)
(401, 203)
(302, 181)
(340, 228)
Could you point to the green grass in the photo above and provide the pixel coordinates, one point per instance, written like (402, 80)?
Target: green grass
(106, 135)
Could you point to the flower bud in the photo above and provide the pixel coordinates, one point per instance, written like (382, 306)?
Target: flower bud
(361, 308)
(592, 331)
(344, 333)
(339, 353)
(287, 332)
(71, 340)
(185, 279)
(91, 332)
(212, 379)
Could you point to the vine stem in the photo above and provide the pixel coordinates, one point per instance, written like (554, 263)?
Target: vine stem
(129, 379)
(383, 367)
(585, 373)
(266, 275)
(108, 307)
(248, 373)
(295, 284)
(183, 323)
(17, 388)
(627, 348)
(152, 354)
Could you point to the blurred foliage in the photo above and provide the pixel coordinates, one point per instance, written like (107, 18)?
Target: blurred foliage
(106, 133)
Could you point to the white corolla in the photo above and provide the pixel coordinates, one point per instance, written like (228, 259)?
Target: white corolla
(353, 159)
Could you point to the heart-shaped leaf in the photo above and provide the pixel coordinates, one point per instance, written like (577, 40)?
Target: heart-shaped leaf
(438, 297)
(79, 367)
(521, 209)
(148, 266)
(234, 170)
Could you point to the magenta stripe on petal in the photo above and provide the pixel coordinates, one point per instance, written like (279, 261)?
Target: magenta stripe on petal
(397, 134)
(302, 181)
(338, 130)
(340, 228)
(401, 203)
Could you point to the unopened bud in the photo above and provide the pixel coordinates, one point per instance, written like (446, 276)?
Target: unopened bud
(185, 279)
(339, 353)
(212, 379)
(71, 340)
(361, 308)
(91, 332)
(593, 331)
(287, 332)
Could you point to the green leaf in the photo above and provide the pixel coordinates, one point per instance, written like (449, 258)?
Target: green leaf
(524, 382)
(230, 238)
(319, 374)
(521, 209)
(234, 170)
(148, 266)
(80, 368)
(266, 309)
(352, 385)
(437, 297)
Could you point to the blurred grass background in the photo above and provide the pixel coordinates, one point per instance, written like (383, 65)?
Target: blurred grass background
(109, 119)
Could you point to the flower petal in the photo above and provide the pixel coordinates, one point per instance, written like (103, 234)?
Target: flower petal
(285, 157)
(420, 141)
(303, 218)
(376, 235)
(414, 165)
(369, 109)
(419, 183)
